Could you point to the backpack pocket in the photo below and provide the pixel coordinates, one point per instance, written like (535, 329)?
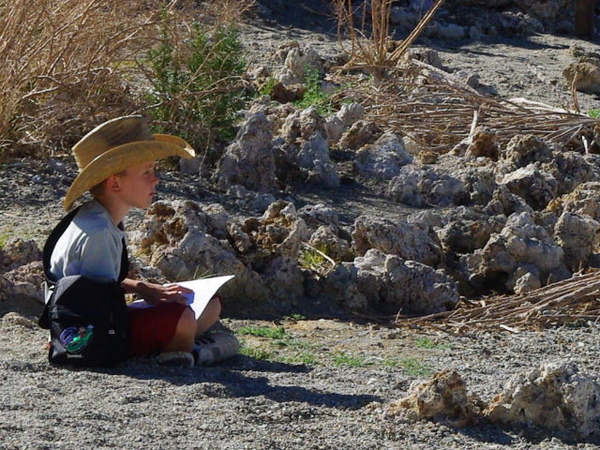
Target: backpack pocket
(88, 322)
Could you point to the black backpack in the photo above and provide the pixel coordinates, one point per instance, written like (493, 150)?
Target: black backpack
(87, 317)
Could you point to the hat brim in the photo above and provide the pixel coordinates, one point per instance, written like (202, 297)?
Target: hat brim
(120, 158)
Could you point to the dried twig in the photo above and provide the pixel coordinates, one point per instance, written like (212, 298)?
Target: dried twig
(401, 50)
(569, 301)
(439, 111)
(372, 53)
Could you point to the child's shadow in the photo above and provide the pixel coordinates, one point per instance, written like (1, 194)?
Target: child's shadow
(241, 377)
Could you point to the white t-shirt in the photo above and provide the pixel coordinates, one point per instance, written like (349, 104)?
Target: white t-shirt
(91, 245)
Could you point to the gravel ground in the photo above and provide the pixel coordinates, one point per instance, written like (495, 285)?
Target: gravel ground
(326, 383)
(279, 403)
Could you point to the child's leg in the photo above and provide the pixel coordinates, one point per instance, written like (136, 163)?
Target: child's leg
(209, 316)
(185, 333)
(166, 327)
(213, 344)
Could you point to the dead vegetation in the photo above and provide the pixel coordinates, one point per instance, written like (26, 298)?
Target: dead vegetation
(575, 301)
(439, 111)
(68, 65)
(64, 63)
(429, 105)
(372, 48)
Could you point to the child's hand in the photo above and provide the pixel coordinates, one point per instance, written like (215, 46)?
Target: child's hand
(156, 293)
(175, 293)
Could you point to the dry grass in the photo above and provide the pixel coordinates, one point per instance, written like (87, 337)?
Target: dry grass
(438, 112)
(573, 301)
(68, 65)
(65, 63)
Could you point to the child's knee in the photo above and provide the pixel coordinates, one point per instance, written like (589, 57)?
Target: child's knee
(185, 333)
(209, 316)
(187, 321)
(213, 308)
(186, 327)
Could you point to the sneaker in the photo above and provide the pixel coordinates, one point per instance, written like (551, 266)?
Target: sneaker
(183, 360)
(213, 347)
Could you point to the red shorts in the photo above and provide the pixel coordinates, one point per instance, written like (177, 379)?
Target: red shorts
(153, 328)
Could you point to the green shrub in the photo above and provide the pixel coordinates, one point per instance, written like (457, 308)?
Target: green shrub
(197, 87)
(314, 95)
(267, 88)
(594, 113)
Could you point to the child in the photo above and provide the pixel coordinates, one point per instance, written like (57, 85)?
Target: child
(116, 164)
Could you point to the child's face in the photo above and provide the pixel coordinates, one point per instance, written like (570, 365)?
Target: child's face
(138, 185)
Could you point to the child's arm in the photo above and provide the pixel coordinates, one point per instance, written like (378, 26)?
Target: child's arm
(156, 293)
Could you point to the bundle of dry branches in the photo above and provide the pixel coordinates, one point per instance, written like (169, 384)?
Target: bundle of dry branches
(438, 111)
(370, 49)
(572, 301)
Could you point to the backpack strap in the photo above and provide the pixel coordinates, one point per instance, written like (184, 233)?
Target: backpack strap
(55, 236)
(124, 263)
(51, 243)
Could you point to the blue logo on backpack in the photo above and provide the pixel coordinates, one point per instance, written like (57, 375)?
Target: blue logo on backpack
(75, 339)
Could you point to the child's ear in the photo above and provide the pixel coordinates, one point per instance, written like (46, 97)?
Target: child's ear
(113, 184)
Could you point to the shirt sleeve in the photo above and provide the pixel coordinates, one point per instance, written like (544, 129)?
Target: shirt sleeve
(91, 246)
(100, 255)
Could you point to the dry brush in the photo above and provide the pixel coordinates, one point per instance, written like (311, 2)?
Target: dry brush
(67, 65)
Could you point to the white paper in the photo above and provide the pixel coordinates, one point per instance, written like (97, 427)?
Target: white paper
(204, 289)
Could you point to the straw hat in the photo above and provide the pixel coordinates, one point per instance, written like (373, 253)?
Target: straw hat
(116, 145)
